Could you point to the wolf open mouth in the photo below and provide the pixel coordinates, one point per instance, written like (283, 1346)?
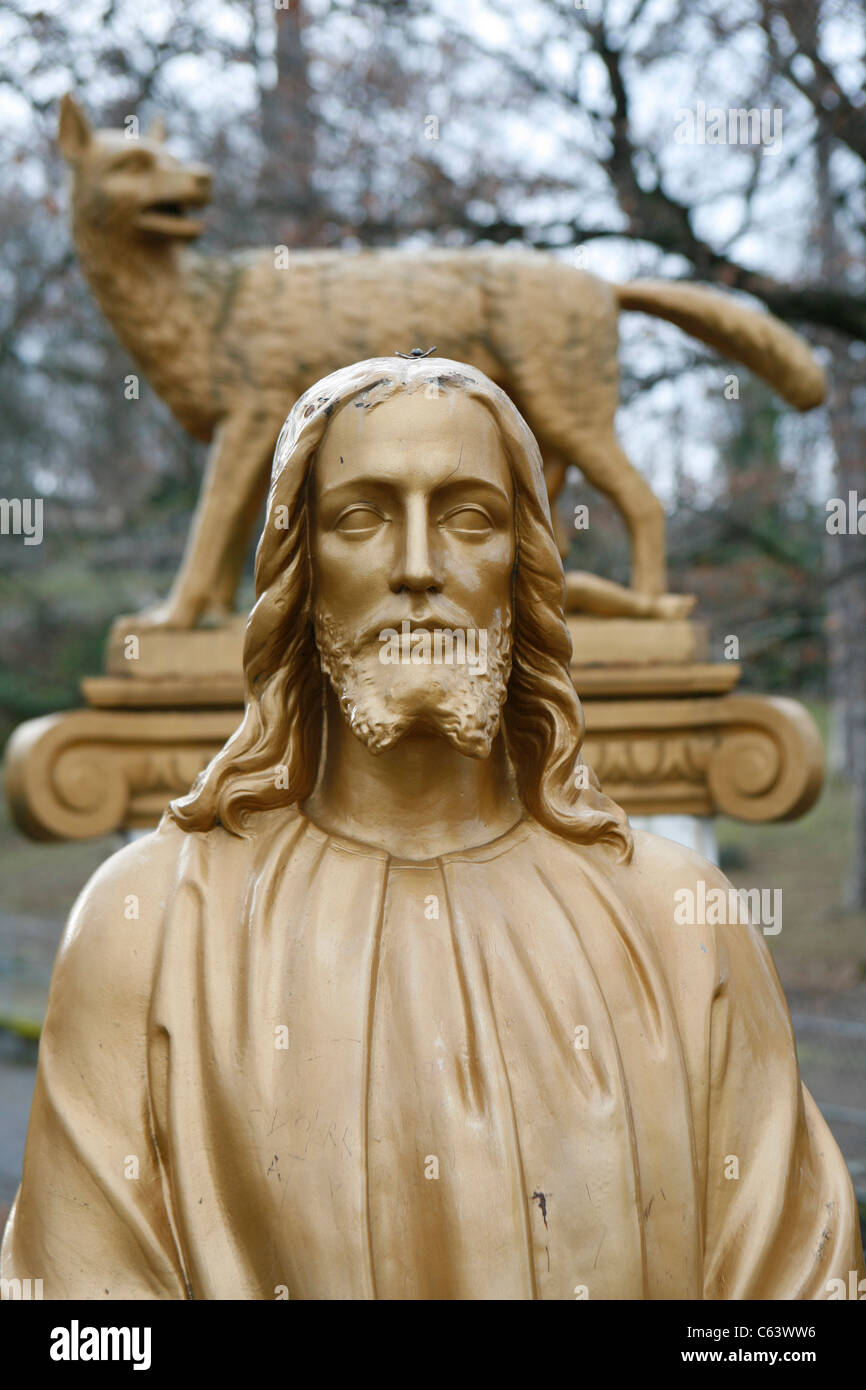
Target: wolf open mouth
(168, 209)
(171, 218)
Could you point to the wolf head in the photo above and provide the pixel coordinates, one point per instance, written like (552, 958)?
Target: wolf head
(130, 187)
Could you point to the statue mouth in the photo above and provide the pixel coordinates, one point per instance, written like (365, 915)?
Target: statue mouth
(172, 218)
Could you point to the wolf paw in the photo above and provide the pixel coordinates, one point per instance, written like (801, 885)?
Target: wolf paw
(170, 614)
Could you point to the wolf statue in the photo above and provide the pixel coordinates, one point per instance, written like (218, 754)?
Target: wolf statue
(229, 342)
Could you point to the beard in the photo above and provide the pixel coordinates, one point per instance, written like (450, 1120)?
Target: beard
(381, 703)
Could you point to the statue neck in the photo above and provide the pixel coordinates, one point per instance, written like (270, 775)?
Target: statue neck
(417, 800)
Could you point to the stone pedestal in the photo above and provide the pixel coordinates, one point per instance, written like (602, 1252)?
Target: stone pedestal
(665, 731)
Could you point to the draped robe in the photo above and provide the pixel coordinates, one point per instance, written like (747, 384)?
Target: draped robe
(307, 1069)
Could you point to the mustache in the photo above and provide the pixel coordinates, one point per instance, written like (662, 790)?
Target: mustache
(437, 613)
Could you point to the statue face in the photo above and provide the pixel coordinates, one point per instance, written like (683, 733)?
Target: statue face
(412, 544)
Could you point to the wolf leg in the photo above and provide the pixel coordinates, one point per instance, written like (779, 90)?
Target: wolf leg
(235, 474)
(555, 470)
(221, 605)
(603, 462)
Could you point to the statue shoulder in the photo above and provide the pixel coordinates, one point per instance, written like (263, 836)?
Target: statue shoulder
(644, 898)
(697, 918)
(657, 870)
(662, 867)
(111, 942)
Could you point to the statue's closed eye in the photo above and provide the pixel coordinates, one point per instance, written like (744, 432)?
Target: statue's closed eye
(359, 520)
(467, 520)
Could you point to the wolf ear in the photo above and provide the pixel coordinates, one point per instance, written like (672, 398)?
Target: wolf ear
(156, 130)
(73, 130)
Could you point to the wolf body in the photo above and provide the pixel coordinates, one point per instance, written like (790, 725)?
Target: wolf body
(230, 342)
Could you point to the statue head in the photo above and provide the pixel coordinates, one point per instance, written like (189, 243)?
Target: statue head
(127, 185)
(407, 561)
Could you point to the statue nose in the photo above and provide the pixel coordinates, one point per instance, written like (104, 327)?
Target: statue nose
(203, 178)
(415, 568)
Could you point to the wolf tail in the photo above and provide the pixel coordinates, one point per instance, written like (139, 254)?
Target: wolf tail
(759, 341)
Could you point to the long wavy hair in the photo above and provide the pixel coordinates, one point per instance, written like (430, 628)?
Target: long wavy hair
(284, 687)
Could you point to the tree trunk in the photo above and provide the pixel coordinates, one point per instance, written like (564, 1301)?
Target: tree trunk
(288, 206)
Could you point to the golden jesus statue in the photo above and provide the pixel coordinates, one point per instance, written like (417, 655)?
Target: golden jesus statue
(394, 1003)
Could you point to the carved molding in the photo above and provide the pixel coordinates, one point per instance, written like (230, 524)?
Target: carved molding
(753, 757)
(90, 772)
(756, 758)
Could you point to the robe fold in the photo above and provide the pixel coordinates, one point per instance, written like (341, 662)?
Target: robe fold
(307, 1069)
